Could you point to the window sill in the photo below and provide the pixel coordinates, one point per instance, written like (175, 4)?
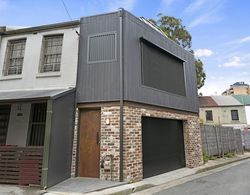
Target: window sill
(10, 77)
(48, 74)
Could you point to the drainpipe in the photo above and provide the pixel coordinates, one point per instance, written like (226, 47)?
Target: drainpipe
(121, 12)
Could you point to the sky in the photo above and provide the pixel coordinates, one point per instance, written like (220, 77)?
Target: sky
(220, 29)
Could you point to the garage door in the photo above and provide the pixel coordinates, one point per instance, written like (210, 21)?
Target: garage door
(163, 145)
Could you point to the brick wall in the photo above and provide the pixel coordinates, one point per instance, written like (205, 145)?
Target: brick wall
(133, 167)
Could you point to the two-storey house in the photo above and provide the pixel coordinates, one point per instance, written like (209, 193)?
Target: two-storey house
(137, 101)
(38, 67)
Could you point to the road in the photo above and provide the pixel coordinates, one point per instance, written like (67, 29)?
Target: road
(231, 181)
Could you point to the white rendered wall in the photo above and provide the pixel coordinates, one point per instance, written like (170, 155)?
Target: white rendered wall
(247, 109)
(18, 124)
(31, 78)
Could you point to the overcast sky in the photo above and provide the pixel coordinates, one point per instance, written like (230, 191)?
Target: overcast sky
(220, 28)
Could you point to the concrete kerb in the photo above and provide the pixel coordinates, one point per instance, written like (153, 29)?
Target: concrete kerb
(145, 184)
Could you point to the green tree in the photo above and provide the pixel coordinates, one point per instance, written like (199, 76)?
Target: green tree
(176, 31)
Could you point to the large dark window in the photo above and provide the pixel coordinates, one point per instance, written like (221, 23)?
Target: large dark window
(234, 115)
(209, 115)
(162, 70)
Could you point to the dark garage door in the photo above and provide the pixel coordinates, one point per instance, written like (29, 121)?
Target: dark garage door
(163, 145)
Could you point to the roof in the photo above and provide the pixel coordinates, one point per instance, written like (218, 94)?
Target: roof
(238, 84)
(32, 94)
(244, 99)
(207, 101)
(42, 28)
(226, 101)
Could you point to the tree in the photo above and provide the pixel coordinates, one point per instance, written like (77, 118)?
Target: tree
(176, 31)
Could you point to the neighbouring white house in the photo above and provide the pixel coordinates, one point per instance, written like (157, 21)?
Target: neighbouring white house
(38, 70)
(222, 110)
(245, 100)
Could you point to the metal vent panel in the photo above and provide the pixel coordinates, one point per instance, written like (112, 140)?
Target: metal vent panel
(102, 47)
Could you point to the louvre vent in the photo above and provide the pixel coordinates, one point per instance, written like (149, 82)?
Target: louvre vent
(102, 48)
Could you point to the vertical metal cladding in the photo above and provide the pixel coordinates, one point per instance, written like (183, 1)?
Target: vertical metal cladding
(60, 151)
(98, 69)
(102, 47)
(99, 81)
(134, 89)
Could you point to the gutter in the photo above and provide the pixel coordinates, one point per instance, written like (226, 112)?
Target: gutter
(120, 13)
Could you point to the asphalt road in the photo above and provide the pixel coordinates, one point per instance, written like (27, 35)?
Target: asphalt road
(232, 181)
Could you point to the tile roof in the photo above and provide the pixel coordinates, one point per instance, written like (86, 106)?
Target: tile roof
(207, 101)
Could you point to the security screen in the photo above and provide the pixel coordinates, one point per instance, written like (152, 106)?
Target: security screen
(162, 70)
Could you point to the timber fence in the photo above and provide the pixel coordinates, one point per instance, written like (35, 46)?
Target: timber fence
(218, 140)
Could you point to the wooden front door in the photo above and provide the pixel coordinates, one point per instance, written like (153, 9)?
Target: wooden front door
(89, 148)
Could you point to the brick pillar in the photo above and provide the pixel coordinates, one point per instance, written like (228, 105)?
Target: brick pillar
(193, 144)
(110, 143)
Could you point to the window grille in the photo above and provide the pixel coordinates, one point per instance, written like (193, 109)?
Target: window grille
(52, 53)
(37, 125)
(14, 57)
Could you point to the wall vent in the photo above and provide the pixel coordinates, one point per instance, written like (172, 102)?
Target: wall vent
(102, 47)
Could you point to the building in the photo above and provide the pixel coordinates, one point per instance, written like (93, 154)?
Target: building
(37, 102)
(238, 88)
(245, 100)
(137, 101)
(222, 110)
(133, 95)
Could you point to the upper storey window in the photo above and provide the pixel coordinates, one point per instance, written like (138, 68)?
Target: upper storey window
(161, 70)
(51, 53)
(14, 57)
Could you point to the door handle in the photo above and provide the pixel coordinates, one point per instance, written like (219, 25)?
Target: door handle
(97, 138)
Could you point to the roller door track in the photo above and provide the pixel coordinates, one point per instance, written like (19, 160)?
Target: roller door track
(163, 145)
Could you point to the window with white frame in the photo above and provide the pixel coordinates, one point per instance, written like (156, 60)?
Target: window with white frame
(14, 57)
(51, 53)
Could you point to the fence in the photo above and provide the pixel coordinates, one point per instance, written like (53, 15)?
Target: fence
(20, 165)
(218, 140)
(246, 139)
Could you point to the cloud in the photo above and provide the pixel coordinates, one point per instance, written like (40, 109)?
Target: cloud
(194, 6)
(3, 4)
(203, 53)
(208, 13)
(240, 41)
(237, 61)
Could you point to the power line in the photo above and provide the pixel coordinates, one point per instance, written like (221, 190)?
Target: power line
(66, 9)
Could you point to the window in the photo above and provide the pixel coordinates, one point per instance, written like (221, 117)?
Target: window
(234, 115)
(162, 70)
(14, 57)
(209, 115)
(51, 53)
(37, 124)
(4, 122)
(102, 47)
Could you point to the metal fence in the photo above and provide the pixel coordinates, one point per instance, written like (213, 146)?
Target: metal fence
(246, 139)
(218, 140)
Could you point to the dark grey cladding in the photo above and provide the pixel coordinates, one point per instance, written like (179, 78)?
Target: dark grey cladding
(100, 81)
